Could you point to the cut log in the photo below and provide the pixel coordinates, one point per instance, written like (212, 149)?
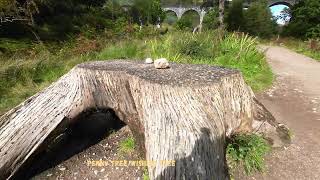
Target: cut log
(183, 114)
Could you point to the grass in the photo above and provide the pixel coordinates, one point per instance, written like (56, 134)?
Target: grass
(127, 146)
(22, 74)
(234, 51)
(247, 150)
(302, 47)
(145, 174)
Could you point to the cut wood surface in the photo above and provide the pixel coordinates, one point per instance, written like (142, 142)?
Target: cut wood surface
(183, 113)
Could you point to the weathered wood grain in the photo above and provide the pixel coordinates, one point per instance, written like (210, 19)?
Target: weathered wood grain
(183, 113)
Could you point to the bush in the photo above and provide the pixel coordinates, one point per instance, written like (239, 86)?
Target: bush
(184, 24)
(191, 48)
(149, 11)
(235, 16)
(210, 21)
(171, 18)
(314, 32)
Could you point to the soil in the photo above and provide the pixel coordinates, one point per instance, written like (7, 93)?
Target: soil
(107, 150)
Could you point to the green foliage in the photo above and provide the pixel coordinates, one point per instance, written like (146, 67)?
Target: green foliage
(240, 52)
(127, 146)
(305, 20)
(302, 47)
(184, 24)
(235, 19)
(234, 51)
(314, 32)
(149, 11)
(171, 18)
(146, 174)
(188, 21)
(121, 51)
(25, 73)
(194, 46)
(11, 45)
(191, 48)
(60, 20)
(248, 150)
(18, 8)
(210, 21)
(259, 20)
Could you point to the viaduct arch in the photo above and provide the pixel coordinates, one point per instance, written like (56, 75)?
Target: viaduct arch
(179, 10)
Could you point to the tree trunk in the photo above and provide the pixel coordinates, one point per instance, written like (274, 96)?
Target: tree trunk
(183, 113)
(221, 13)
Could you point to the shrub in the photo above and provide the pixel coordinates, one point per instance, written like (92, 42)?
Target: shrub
(171, 18)
(210, 20)
(184, 24)
(235, 16)
(248, 150)
(191, 48)
(85, 45)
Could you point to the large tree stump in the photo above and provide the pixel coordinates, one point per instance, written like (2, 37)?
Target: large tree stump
(183, 113)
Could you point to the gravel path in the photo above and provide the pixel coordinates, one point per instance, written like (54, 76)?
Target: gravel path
(294, 100)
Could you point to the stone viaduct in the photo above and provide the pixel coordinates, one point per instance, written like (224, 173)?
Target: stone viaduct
(180, 10)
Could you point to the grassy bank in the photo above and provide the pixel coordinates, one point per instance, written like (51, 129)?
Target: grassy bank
(31, 67)
(299, 46)
(303, 47)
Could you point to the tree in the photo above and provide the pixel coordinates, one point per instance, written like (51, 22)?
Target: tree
(13, 10)
(259, 20)
(285, 15)
(49, 17)
(235, 16)
(19, 12)
(211, 20)
(305, 20)
(221, 13)
(149, 11)
(176, 117)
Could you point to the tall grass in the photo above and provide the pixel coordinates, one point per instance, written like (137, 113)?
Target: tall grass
(303, 48)
(297, 45)
(23, 75)
(234, 50)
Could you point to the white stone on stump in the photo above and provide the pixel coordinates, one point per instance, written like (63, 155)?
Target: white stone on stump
(161, 63)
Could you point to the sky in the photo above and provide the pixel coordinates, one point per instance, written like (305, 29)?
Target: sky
(276, 11)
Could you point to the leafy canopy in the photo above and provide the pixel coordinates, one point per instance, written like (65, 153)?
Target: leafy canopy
(259, 20)
(305, 21)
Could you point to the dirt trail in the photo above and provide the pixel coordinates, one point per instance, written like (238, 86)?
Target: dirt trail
(295, 101)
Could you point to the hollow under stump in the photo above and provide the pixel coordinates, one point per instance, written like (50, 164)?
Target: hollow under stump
(181, 114)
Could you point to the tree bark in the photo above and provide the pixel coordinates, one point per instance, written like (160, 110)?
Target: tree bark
(183, 114)
(221, 13)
